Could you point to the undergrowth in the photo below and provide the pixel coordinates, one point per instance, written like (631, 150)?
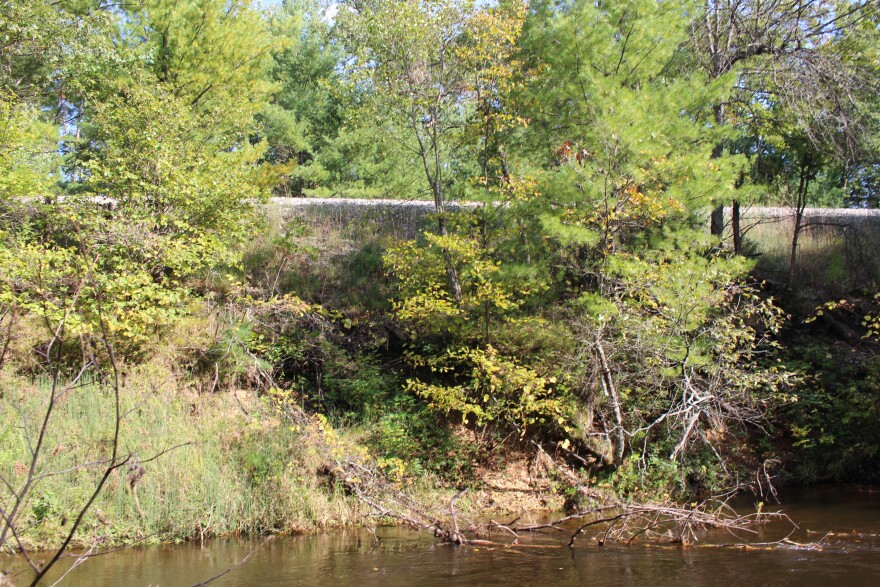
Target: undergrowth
(231, 468)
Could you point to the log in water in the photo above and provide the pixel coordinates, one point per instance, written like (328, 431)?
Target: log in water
(844, 523)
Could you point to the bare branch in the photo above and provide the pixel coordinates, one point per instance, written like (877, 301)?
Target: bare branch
(233, 567)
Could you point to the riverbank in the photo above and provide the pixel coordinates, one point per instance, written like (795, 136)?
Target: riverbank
(227, 469)
(227, 463)
(204, 465)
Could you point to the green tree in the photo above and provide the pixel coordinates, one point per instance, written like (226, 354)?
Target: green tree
(422, 63)
(788, 46)
(160, 104)
(812, 122)
(625, 136)
(212, 53)
(618, 130)
(307, 110)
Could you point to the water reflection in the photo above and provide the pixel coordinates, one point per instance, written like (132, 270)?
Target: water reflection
(396, 556)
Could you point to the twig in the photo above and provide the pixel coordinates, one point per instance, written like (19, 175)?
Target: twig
(456, 536)
(235, 566)
(79, 561)
(583, 527)
(507, 529)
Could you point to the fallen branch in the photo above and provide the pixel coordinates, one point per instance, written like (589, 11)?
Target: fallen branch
(235, 566)
(583, 527)
(618, 521)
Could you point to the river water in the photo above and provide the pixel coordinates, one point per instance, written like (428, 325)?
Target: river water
(850, 556)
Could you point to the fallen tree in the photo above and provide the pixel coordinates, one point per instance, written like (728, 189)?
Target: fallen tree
(613, 519)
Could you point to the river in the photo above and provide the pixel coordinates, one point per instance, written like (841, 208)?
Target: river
(396, 556)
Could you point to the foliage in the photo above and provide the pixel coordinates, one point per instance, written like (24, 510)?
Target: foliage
(304, 119)
(239, 474)
(600, 106)
(213, 53)
(26, 160)
(693, 346)
(156, 179)
(576, 300)
(438, 87)
(426, 304)
(410, 438)
(186, 199)
(493, 388)
(831, 425)
(872, 320)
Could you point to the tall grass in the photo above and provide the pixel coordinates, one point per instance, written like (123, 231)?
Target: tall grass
(240, 470)
(328, 254)
(838, 251)
(358, 219)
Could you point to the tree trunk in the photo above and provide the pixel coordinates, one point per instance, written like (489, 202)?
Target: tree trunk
(792, 261)
(717, 222)
(800, 205)
(451, 273)
(611, 392)
(435, 181)
(735, 228)
(439, 204)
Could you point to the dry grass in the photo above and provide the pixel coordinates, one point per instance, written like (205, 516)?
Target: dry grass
(352, 219)
(838, 252)
(326, 254)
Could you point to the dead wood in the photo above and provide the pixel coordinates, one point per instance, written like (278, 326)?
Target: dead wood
(614, 520)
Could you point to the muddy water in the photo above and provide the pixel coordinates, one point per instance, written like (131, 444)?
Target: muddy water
(399, 557)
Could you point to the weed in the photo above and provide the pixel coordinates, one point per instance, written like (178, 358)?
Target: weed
(239, 473)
